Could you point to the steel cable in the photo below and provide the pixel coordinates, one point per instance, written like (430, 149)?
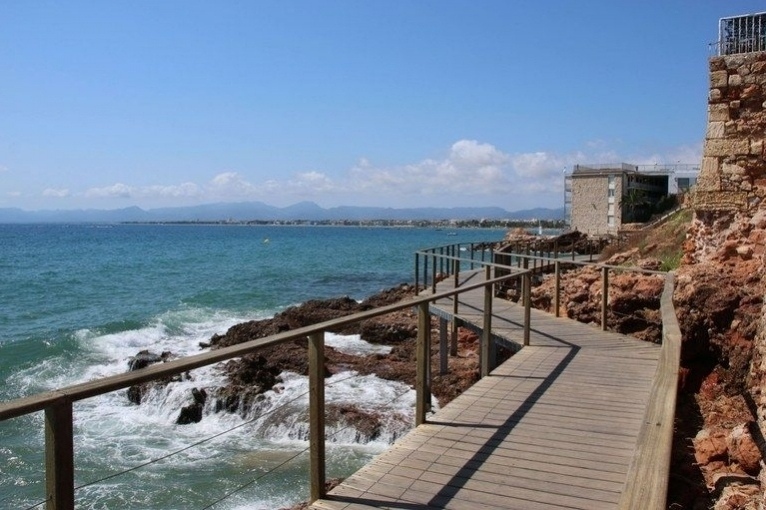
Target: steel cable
(301, 452)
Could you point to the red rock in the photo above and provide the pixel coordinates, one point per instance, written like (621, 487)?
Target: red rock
(743, 449)
(709, 447)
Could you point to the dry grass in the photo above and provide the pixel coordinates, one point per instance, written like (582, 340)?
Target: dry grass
(664, 242)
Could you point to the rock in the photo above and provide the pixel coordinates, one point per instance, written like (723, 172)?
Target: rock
(739, 494)
(193, 412)
(367, 424)
(200, 396)
(745, 252)
(743, 449)
(634, 299)
(709, 447)
(189, 414)
(723, 480)
(135, 394)
(143, 359)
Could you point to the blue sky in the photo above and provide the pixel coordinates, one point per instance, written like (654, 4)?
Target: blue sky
(389, 103)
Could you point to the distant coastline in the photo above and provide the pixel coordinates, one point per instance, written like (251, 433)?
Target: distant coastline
(444, 224)
(303, 213)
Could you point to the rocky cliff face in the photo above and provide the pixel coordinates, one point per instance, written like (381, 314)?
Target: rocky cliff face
(719, 300)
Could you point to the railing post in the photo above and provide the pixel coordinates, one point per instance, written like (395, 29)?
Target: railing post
(425, 270)
(527, 306)
(453, 337)
(455, 309)
(456, 284)
(422, 351)
(443, 347)
(59, 456)
(557, 284)
(441, 259)
(604, 296)
(316, 415)
(433, 276)
(486, 335)
(417, 272)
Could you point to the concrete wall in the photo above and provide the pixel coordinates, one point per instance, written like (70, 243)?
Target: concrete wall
(733, 173)
(590, 207)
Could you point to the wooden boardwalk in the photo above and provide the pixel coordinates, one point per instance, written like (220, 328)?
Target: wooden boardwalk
(553, 427)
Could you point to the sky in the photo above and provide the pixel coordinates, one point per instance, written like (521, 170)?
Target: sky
(395, 103)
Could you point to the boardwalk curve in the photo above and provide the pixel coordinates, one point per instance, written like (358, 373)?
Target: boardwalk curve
(553, 427)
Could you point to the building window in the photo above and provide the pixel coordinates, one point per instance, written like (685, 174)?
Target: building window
(610, 220)
(611, 181)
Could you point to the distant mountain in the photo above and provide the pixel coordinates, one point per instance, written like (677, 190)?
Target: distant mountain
(247, 211)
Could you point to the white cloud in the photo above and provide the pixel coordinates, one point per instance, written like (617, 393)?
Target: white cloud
(56, 193)
(311, 182)
(231, 184)
(184, 190)
(469, 171)
(3, 168)
(14, 194)
(472, 168)
(118, 190)
(468, 167)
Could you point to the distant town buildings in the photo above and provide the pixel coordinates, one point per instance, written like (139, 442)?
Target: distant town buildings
(600, 199)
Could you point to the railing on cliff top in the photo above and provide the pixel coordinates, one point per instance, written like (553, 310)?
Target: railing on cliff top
(740, 34)
(646, 487)
(649, 473)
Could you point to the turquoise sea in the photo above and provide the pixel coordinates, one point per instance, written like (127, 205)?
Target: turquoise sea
(77, 301)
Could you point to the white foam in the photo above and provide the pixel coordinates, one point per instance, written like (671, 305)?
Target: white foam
(354, 345)
(283, 414)
(112, 434)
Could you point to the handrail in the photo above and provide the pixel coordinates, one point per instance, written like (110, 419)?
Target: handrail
(57, 404)
(38, 402)
(646, 485)
(647, 482)
(649, 472)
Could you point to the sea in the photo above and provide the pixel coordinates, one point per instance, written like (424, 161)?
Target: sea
(78, 301)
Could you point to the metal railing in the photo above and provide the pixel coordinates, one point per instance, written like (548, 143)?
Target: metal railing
(656, 168)
(58, 404)
(741, 34)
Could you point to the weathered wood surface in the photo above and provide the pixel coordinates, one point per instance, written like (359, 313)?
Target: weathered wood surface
(647, 478)
(553, 427)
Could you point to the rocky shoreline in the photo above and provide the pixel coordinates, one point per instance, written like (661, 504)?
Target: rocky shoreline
(250, 376)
